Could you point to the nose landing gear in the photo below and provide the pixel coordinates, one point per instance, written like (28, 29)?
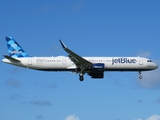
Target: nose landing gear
(140, 75)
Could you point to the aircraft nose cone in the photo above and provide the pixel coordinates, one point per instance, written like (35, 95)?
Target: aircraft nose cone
(155, 66)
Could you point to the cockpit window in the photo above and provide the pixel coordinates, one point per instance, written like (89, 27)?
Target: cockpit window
(149, 60)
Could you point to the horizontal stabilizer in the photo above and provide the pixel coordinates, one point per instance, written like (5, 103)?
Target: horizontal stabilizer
(11, 58)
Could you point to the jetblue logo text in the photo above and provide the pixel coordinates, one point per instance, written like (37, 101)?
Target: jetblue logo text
(123, 60)
(16, 52)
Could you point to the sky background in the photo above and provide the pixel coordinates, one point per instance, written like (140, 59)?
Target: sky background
(89, 28)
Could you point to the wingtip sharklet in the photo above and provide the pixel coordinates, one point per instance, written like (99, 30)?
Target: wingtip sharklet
(63, 45)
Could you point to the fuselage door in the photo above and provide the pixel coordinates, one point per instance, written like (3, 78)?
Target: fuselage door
(63, 61)
(30, 61)
(140, 61)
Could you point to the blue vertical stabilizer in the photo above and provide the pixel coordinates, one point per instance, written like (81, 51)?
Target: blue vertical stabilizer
(14, 49)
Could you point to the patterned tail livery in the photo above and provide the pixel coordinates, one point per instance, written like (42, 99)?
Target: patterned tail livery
(15, 49)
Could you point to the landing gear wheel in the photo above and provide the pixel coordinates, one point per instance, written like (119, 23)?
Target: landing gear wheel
(140, 77)
(81, 78)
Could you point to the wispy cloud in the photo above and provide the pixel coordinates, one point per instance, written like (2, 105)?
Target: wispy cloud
(154, 117)
(13, 83)
(151, 79)
(140, 101)
(16, 70)
(41, 103)
(46, 85)
(52, 85)
(138, 119)
(78, 6)
(39, 117)
(158, 100)
(117, 119)
(72, 117)
(38, 103)
(144, 54)
(45, 8)
(118, 83)
(15, 96)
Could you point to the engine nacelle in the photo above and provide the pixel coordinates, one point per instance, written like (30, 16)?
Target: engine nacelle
(96, 75)
(97, 70)
(97, 67)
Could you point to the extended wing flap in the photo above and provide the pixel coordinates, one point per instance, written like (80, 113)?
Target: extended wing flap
(11, 58)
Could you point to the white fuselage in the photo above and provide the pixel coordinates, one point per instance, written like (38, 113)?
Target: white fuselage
(62, 63)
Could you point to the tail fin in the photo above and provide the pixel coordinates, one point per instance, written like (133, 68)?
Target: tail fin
(14, 49)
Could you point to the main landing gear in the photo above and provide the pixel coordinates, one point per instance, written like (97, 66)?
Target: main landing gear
(140, 75)
(81, 78)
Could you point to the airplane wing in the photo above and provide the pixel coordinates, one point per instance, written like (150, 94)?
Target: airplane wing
(79, 61)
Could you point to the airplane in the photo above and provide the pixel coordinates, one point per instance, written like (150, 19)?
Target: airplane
(93, 66)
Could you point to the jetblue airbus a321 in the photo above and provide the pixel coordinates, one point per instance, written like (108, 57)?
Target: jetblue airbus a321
(93, 66)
